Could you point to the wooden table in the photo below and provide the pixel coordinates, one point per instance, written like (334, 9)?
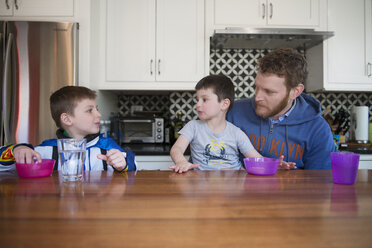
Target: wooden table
(195, 209)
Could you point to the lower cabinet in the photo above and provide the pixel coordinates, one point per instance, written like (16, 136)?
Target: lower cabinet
(365, 161)
(162, 162)
(155, 162)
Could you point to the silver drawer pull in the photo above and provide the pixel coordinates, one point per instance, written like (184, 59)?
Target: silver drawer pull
(151, 61)
(369, 69)
(263, 11)
(159, 67)
(271, 10)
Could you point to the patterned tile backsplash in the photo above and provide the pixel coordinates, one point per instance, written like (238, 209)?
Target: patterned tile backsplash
(240, 66)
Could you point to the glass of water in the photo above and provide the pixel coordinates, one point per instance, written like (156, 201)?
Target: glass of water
(71, 158)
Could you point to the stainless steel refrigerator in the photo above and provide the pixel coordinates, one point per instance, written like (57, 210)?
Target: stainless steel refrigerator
(36, 59)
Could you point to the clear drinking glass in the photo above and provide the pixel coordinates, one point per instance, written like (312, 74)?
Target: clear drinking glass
(71, 158)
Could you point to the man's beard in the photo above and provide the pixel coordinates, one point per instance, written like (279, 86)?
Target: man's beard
(278, 108)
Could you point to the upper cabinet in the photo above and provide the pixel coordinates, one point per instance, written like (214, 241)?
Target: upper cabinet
(261, 13)
(20, 8)
(347, 56)
(151, 44)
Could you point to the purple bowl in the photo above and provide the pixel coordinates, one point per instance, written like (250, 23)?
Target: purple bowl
(43, 169)
(261, 166)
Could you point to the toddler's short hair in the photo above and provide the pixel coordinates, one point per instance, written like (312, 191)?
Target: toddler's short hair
(65, 100)
(221, 85)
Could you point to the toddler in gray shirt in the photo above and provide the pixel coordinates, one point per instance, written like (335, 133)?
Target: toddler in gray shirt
(215, 143)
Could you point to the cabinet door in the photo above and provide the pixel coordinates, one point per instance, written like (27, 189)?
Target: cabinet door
(349, 51)
(239, 12)
(180, 40)
(6, 8)
(286, 13)
(130, 41)
(156, 162)
(43, 7)
(293, 12)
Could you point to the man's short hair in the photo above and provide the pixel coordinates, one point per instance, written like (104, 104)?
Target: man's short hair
(65, 100)
(287, 63)
(221, 85)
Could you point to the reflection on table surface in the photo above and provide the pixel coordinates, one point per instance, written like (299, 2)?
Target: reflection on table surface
(195, 209)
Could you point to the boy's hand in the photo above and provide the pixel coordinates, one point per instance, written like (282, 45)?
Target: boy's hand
(115, 158)
(183, 167)
(24, 154)
(286, 165)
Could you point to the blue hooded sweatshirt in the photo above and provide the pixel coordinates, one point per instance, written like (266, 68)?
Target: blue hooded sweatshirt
(303, 137)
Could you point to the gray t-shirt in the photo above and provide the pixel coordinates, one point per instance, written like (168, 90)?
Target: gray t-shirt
(215, 151)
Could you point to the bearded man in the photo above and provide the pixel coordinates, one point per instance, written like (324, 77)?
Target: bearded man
(281, 119)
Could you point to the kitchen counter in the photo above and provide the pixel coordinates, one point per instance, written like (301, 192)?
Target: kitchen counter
(357, 148)
(148, 149)
(195, 209)
(360, 150)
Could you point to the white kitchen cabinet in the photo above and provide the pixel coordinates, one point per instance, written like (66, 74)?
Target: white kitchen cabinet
(158, 162)
(262, 13)
(162, 162)
(152, 44)
(6, 8)
(365, 161)
(347, 57)
(20, 8)
(154, 162)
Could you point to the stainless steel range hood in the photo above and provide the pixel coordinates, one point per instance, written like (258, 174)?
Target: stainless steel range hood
(267, 38)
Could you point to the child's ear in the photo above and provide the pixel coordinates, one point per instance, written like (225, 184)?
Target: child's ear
(65, 119)
(225, 103)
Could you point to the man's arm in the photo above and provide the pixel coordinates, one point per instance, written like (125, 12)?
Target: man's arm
(318, 155)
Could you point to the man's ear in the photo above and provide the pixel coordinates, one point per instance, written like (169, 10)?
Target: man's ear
(296, 91)
(226, 103)
(65, 119)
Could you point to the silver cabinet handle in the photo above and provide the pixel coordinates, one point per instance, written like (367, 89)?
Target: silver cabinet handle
(369, 69)
(263, 11)
(159, 67)
(271, 10)
(151, 61)
(7, 4)
(16, 3)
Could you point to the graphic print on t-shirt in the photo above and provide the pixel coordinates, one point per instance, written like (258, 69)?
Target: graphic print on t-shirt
(215, 153)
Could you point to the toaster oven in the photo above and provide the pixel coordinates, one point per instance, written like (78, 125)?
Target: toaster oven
(141, 130)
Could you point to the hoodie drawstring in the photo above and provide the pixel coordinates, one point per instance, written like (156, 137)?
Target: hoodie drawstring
(259, 138)
(286, 142)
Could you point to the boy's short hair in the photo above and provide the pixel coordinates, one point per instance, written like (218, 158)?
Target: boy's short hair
(65, 100)
(221, 85)
(287, 63)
